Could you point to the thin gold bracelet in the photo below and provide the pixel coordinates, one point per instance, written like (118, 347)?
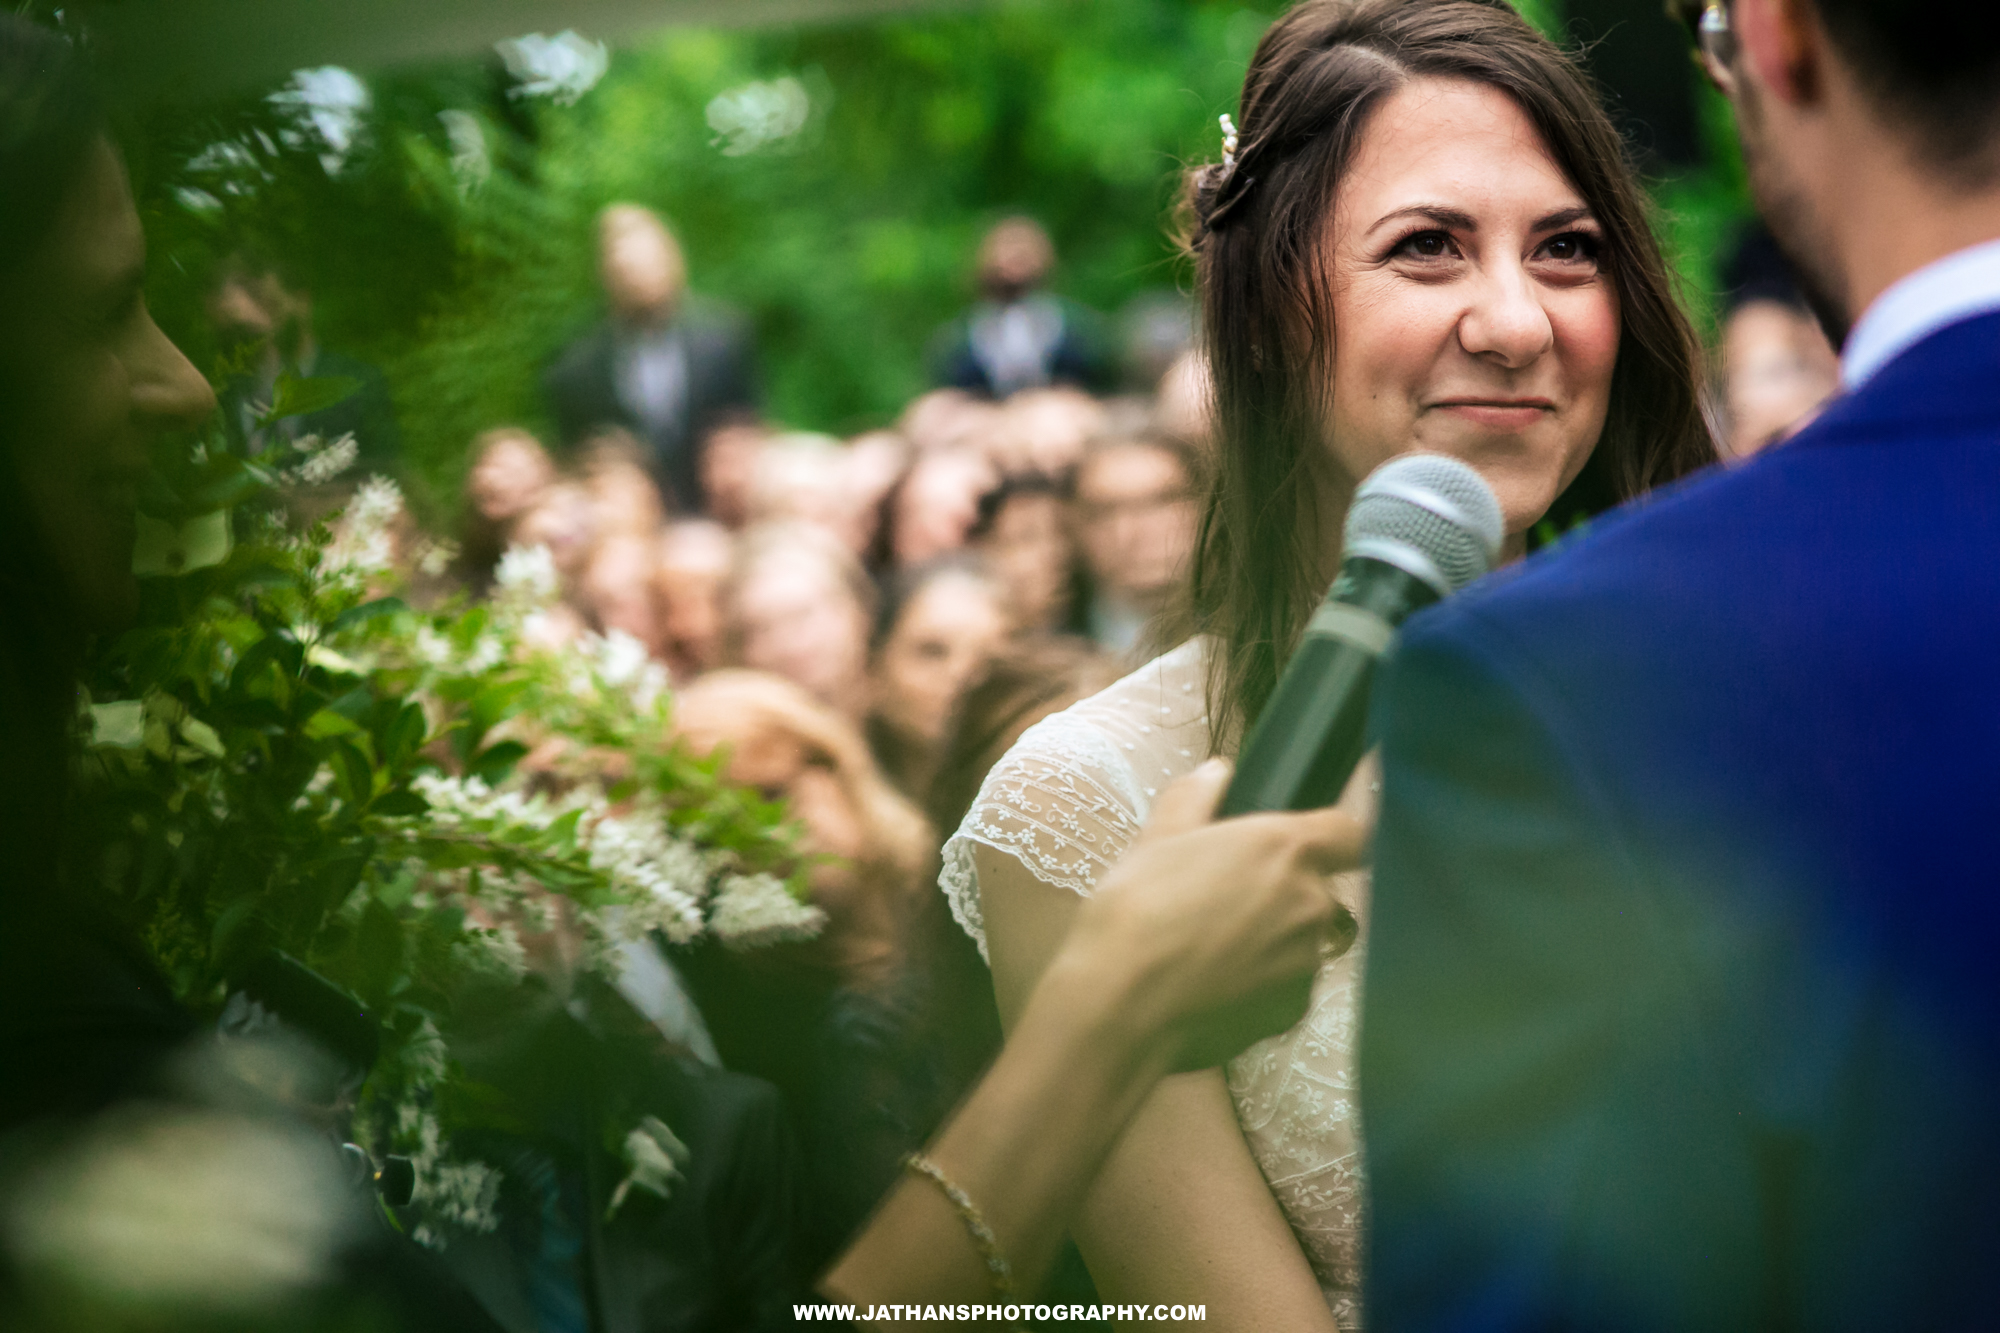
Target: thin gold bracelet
(975, 1222)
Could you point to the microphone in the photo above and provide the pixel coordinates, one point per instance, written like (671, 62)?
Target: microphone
(1421, 527)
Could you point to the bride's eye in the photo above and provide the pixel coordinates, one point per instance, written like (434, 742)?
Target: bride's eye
(1425, 245)
(1573, 248)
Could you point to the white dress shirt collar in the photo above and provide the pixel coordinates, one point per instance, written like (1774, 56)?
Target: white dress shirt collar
(1941, 293)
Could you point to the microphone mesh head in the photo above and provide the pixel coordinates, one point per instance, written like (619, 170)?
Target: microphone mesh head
(1430, 506)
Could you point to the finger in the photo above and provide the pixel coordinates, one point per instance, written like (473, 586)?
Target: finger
(1334, 840)
(1190, 801)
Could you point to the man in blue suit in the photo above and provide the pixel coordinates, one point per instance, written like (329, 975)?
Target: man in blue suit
(1684, 980)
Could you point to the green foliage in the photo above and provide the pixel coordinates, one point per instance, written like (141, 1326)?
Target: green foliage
(848, 243)
(284, 756)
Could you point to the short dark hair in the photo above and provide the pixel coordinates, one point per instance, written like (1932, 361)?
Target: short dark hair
(49, 118)
(1936, 67)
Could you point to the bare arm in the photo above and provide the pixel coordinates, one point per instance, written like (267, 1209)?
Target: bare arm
(1179, 1212)
(1192, 918)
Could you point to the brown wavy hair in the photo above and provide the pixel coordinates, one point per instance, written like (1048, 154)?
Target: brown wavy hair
(1256, 231)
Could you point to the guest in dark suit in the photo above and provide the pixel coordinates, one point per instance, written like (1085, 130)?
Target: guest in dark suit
(1019, 336)
(662, 365)
(257, 299)
(1681, 1010)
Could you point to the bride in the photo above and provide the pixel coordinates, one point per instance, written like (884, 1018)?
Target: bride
(1424, 237)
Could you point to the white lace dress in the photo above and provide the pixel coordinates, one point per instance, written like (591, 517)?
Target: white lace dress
(1067, 801)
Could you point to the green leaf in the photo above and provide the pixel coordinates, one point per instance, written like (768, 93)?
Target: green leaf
(367, 611)
(496, 762)
(404, 734)
(400, 803)
(326, 723)
(297, 396)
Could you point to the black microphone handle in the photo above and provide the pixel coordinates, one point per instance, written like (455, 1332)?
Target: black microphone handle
(1312, 734)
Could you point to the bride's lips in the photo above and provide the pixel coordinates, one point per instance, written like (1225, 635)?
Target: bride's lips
(1497, 414)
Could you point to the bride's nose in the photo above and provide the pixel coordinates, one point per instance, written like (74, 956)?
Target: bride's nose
(1505, 322)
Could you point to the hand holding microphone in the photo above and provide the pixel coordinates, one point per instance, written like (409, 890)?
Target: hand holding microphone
(1421, 527)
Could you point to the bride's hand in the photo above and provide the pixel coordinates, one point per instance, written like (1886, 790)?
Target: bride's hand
(1220, 926)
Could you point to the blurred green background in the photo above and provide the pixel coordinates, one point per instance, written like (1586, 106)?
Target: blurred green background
(445, 227)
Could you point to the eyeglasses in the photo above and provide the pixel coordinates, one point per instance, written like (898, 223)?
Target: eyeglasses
(1714, 40)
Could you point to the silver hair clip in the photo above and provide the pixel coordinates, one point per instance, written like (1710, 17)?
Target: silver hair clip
(1228, 140)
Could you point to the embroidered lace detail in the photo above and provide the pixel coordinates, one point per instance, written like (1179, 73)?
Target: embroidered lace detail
(1066, 802)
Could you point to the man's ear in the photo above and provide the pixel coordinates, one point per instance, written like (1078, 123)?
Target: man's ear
(1784, 47)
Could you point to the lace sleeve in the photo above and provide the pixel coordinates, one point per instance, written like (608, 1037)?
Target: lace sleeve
(1071, 795)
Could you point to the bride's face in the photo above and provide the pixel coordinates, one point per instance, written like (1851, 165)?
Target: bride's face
(1471, 315)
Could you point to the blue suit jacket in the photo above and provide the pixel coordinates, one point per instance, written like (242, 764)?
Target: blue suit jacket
(1683, 1002)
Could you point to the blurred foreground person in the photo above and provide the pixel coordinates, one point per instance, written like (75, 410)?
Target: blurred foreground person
(256, 301)
(1681, 1010)
(939, 625)
(1135, 520)
(1019, 336)
(662, 366)
(797, 604)
(146, 1183)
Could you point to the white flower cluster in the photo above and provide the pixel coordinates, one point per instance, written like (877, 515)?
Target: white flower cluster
(437, 651)
(364, 542)
(455, 802)
(670, 876)
(494, 950)
(755, 910)
(323, 461)
(618, 662)
(448, 1192)
(525, 582)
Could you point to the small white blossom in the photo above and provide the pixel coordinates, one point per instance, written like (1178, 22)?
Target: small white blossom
(563, 67)
(323, 462)
(755, 910)
(364, 539)
(654, 1156)
(525, 581)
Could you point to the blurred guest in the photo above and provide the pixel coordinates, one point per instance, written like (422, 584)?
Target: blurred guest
(876, 461)
(1778, 369)
(798, 604)
(562, 523)
(934, 507)
(939, 625)
(1023, 534)
(729, 469)
(1184, 405)
(1136, 518)
(1018, 336)
(1045, 430)
(663, 366)
(829, 1022)
(623, 498)
(1157, 329)
(947, 419)
(801, 477)
(258, 303)
(510, 474)
(695, 554)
